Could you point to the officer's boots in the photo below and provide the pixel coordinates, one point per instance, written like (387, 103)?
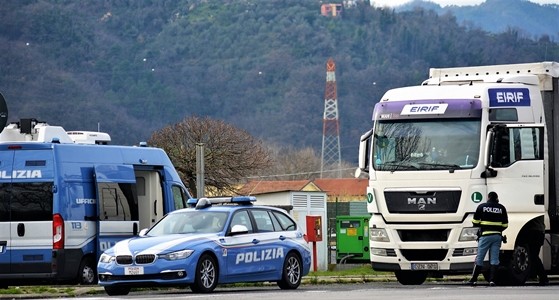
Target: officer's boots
(475, 274)
(492, 272)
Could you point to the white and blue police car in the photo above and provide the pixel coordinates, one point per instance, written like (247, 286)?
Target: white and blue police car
(219, 240)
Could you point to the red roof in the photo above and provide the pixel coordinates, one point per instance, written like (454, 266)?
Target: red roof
(342, 186)
(332, 186)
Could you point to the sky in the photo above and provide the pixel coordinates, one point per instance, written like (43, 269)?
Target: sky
(450, 2)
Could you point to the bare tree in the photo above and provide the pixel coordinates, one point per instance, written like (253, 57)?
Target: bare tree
(231, 154)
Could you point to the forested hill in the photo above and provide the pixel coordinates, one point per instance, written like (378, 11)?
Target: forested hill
(132, 67)
(529, 18)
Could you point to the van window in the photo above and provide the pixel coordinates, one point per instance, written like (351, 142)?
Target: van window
(119, 201)
(31, 201)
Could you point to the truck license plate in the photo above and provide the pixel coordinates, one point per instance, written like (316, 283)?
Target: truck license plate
(424, 266)
(134, 270)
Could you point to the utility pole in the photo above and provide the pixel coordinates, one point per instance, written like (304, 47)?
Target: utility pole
(200, 170)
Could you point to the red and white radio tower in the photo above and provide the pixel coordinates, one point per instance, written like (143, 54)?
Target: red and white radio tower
(331, 155)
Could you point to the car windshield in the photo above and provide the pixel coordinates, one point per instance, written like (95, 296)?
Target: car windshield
(442, 144)
(187, 222)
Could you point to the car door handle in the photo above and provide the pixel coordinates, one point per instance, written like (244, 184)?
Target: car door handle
(255, 241)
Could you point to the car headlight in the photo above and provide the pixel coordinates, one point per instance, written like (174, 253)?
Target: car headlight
(177, 255)
(105, 258)
(378, 235)
(468, 234)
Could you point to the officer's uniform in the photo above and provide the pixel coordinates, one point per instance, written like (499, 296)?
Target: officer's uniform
(491, 217)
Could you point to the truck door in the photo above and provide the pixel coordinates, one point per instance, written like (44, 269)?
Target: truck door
(517, 157)
(118, 204)
(6, 161)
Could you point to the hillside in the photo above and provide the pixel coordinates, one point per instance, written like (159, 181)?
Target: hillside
(529, 19)
(132, 67)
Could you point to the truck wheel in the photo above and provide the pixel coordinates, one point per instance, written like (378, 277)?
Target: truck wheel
(117, 290)
(516, 266)
(205, 279)
(291, 272)
(87, 272)
(411, 277)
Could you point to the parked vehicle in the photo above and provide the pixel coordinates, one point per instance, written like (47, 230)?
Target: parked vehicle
(436, 150)
(220, 240)
(64, 198)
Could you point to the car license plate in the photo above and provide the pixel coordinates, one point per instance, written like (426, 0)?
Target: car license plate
(424, 266)
(134, 270)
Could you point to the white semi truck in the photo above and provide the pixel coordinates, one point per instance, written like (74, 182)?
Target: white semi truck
(436, 150)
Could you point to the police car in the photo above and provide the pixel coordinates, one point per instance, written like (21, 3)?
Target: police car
(219, 240)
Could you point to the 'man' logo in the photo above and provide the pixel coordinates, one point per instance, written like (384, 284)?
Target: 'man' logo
(422, 202)
(21, 174)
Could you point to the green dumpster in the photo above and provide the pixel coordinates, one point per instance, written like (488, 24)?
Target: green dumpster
(352, 239)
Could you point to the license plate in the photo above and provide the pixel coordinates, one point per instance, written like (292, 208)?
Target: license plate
(134, 270)
(425, 266)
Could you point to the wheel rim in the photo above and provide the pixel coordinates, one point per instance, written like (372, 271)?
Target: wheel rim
(521, 259)
(207, 273)
(293, 270)
(88, 275)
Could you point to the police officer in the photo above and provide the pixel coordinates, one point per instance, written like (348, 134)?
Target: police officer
(491, 218)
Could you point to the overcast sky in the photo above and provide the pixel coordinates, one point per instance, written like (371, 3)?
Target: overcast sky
(451, 2)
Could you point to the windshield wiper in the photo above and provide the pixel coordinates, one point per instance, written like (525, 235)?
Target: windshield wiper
(397, 165)
(441, 166)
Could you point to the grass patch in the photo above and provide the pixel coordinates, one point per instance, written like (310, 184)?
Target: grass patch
(358, 270)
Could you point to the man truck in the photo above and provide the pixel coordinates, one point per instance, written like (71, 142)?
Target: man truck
(65, 197)
(436, 150)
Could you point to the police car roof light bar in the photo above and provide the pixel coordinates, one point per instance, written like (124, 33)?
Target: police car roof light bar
(241, 200)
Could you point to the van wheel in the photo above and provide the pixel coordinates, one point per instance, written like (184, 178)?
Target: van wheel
(291, 273)
(205, 279)
(117, 290)
(86, 273)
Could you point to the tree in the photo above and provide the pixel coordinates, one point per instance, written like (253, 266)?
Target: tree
(230, 155)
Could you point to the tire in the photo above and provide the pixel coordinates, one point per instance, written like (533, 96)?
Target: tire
(87, 274)
(411, 277)
(117, 290)
(291, 272)
(515, 267)
(205, 279)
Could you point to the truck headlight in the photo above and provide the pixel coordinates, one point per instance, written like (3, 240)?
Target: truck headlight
(105, 258)
(468, 234)
(378, 235)
(177, 255)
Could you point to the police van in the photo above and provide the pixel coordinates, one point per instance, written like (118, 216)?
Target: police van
(65, 198)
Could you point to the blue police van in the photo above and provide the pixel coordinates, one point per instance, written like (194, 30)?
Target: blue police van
(65, 197)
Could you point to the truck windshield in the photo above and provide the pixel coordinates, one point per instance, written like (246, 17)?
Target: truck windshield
(443, 144)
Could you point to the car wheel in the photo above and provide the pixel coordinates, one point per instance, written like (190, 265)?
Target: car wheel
(86, 273)
(411, 277)
(117, 290)
(205, 279)
(291, 273)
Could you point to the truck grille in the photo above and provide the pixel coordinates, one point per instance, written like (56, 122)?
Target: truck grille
(430, 202)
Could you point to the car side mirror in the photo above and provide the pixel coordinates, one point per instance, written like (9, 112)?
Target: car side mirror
(143, 232)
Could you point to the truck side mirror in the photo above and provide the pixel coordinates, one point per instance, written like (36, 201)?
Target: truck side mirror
(364, 152)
